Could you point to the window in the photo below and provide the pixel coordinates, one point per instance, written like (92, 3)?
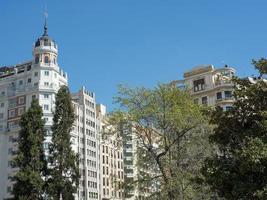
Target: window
(46, 119)
(46, 107)
(9, 189)
(46, 42)
(46, 96)
(10, 151)
(1, 115)
(21, 82)
(11, 113)
(35, 73)
(46, 59)
(45, 145)
(46, 73)
(35, 84)
(37, 58)
(2, 105)
(21, 100)
(228, 94)
(29, 80)
(204, 101)
(228, 108)
(199, 85)
(20, 111)
(34, 96)
(219, 95)
(46, 83)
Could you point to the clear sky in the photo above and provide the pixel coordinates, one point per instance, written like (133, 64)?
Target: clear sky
(103, 43)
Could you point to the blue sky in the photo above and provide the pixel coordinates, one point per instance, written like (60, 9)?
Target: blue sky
(103, 43)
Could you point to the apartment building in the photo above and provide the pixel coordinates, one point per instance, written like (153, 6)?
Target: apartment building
(85, 141)
(210, 86)
(19, 84)
(137, 164)
(41, 78)
(112, 166)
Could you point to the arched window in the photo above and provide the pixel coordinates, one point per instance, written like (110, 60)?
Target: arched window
(37, 58)
(46, 59)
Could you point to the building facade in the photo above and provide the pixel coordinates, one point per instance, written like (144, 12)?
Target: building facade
(41, 78)
(85, 141)
(111, 159)
(210, 86)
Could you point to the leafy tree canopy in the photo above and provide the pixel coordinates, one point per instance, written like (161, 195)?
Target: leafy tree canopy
(238, 170)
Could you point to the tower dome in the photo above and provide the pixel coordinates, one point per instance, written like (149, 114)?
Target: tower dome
(45, 50)
(45, 40)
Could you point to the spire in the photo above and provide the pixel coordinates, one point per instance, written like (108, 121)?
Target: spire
(45, 24)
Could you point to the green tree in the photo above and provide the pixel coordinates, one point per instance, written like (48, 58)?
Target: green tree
(63, 170)
(171, 135)
(30, 159)
(238, 169)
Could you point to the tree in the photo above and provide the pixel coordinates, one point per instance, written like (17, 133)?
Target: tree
(30, 159)
(63, 173)
(260, 65)
(238, 169)
(171, 137)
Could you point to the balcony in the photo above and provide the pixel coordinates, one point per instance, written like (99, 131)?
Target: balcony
(223, 83)
(224, 99)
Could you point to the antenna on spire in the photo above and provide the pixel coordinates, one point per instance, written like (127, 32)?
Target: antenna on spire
(45, 16)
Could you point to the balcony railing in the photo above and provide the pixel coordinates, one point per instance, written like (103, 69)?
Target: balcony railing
(223, 82)
(224, 99)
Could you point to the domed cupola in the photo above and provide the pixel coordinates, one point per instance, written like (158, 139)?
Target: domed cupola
(45, 40)
(45, 49)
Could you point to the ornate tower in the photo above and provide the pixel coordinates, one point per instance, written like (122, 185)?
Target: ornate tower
(45, 50)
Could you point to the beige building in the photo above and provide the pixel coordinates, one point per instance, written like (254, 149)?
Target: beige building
(210, 86)
(111, 159)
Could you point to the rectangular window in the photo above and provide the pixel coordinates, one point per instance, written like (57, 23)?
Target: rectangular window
(228, 108)
(46, 107)
(228, 94)
(20, 111)
(219, 95)
(46, 73)
(35, 73)
(11, 113)
(204, 101)
(46, 96)
(21, 82)
(29, 80)
(2, 105)
(21, 100)
(199, 85)
(46, 83)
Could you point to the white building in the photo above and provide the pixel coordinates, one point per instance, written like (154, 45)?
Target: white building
(136, 167)
(85, 138)
(19, 84)
(210, 86)
(41, 78)
(112, 175)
